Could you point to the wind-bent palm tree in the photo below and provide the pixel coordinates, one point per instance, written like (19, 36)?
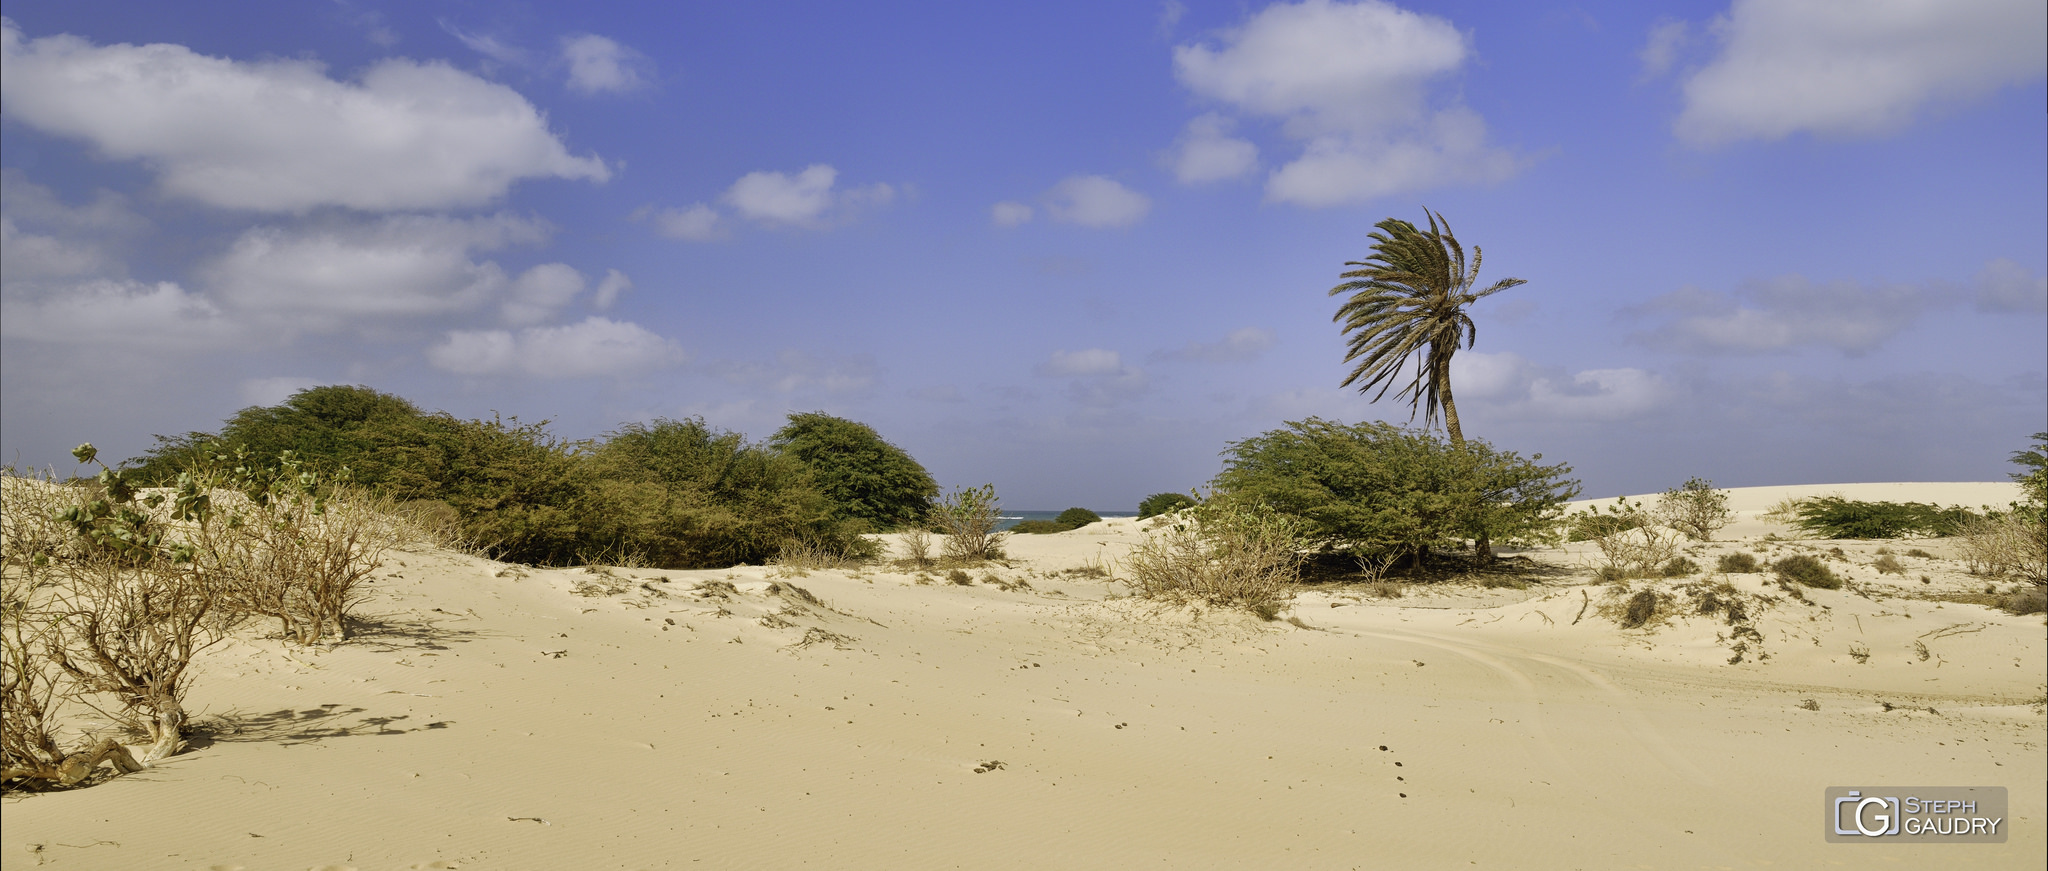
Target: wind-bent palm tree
(1408, 300)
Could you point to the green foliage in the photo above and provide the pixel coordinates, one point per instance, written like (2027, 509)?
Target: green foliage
(1679, 567)
(969, 518)
(2035, 481)
(1075, 518)
(1408, 300)
(1836, 517)
(1038, 527)
(864, 478)
(1806, 571)
(683, 495)
(1737, 564)
(1595, 523)
(674, 494)
(1694, 508)
(1228, 552)
(1375, 489)
(1163, 503)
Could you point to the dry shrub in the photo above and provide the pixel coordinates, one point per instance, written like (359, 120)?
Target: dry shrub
(1695, 509)
(1889, 565)
(2008, 544)
(1225, 555)
(1737, 564)
(800, 557)
(303, 561)
(1639, 552)
(29, 505)
(1641, 607)
(1806, 570)
(917, 546)
(969, 518)
(1386, 589)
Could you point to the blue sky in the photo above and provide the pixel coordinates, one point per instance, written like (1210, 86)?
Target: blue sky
(1070, 249)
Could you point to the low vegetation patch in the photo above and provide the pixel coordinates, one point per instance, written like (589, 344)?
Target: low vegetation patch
(1836, 517)
(1806, 571)
(1163, 503)
(1737, 564)
(1072, 518)
(1230, 554)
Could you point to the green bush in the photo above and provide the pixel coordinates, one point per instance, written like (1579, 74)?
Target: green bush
(1679, 567)
(864, 478)
(1038, 527)
(1836, 517)
(1075, 518)
(1163, 503)
(1592, 526)
(1694, 508)
(1737, 564)
(969, 518)
(1806, 571)
(1374, 489)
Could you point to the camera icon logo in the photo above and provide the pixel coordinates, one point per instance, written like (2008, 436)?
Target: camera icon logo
(1867, 815)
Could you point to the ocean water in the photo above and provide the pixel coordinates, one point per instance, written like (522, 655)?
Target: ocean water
(1012, 518)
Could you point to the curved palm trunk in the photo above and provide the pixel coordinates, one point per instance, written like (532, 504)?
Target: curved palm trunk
(1483, 545)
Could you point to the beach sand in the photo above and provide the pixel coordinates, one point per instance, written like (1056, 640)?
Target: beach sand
(505, 717)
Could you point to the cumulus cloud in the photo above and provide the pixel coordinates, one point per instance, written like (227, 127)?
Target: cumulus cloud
(124, 315)
(2005, 287)
(1009, 213)
(1095, 201)
(1660, 51)
(597, 346)
(489, 46)
(42, 237)
(698, 223)
(598, 65)
(608, 290)
(1855, 69)
(1100, 377)
(331, 277)
(800, 200)
(1241, 345)
(539, 292)
(1784, 314)
(1351, 82)
(281, 136)
(1507, 385)
(1206, 152)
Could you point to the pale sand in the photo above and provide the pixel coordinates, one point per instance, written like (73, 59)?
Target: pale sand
(496, 719)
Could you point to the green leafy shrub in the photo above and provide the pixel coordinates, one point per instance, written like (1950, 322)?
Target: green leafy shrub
(1737, 564)
(1038, 527)
(1591, 525)
(1075, 518)
(1163, 503)
(863, 477)
(1836, 517)
(1375, 489)
(1678, 567)
(969, 518)
(1806, 571)
(1694, 508)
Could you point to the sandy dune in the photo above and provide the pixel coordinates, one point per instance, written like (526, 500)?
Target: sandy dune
(503, 717)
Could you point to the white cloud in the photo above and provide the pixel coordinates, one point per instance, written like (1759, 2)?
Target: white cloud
(489, 46)
(2003, 286)
(608, 290)
(800, 200)
(1206, 152)
(26, 257)
(1095, 201)
(1010, 213)
(1508, 386)
(1783, 314)
(600, 65)
(539, 292)
(597, 346)
(1660, 51)
(1241, 345)
(405, 266)
(1350, 80)
(1093, 361)
(1855, 69)
(120, 315)
(280, 136)
(698, 223)
(1170, 13)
